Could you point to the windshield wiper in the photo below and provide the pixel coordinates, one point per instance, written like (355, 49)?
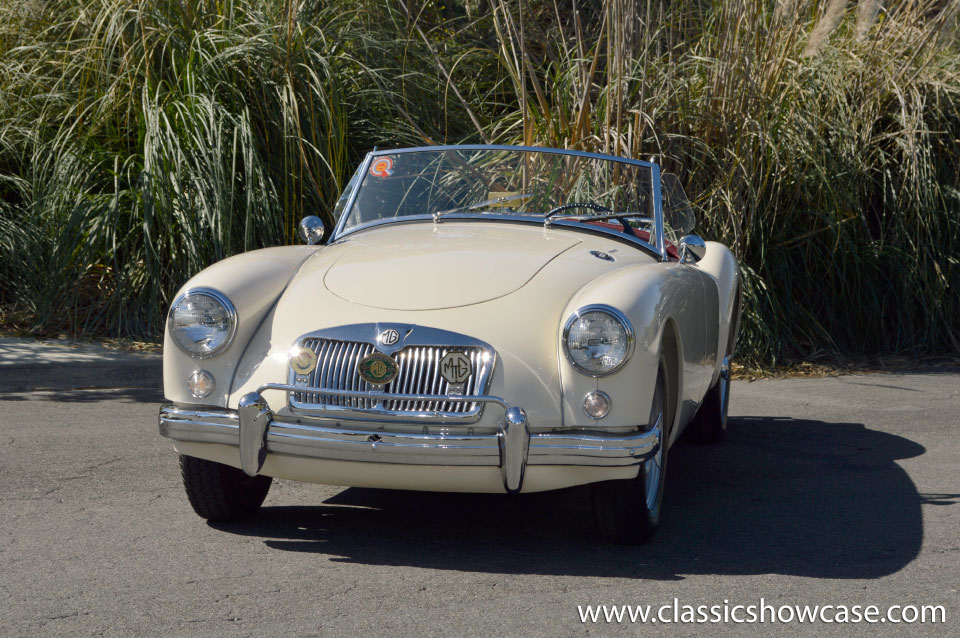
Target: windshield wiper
(490, 202)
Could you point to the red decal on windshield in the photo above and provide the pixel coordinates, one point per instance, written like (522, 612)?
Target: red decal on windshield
(382, 167)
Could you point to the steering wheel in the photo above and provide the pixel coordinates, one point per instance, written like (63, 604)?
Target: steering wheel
(627, 229)
(588, 205)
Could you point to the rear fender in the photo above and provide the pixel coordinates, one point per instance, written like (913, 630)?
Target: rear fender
(720, 264)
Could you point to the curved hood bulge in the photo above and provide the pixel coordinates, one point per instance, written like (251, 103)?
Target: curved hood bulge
(418, 267)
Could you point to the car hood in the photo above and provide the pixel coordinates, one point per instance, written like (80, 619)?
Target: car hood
(452, 265)
(470, 292)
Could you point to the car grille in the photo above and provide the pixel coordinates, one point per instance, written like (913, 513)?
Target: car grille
(417, 373)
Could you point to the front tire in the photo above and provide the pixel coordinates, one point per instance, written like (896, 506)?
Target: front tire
(220, 492)
(628, 511)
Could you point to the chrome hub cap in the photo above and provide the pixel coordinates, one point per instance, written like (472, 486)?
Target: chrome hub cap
(652, 467)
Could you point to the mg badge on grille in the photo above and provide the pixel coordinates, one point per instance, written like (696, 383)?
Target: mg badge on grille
(303, 361)
(455, 367)
(389, 337)
(377, 368)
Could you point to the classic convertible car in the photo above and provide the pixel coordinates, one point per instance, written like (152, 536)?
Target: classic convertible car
(482, 319)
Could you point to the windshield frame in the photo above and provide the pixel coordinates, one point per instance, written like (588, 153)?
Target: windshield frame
(658, 246)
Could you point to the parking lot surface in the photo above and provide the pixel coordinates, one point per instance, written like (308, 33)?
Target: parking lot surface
(831, 491)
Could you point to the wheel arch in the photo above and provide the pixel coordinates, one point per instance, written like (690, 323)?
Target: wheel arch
(671, 350)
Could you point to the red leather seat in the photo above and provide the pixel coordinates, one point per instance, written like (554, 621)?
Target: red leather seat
(672, 252)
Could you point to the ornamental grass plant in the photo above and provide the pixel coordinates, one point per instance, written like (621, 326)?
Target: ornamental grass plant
(142, 141)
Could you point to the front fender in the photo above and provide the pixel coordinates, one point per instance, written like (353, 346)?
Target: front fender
(653, 297)
(253, 282)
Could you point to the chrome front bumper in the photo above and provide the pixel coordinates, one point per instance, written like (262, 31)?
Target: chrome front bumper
(256, 430)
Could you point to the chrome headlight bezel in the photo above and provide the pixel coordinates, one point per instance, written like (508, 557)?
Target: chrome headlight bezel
(624, 323)
(220, 298)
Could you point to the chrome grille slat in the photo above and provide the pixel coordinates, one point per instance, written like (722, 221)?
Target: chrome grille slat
(320, 347)
(361, 384)
(414, 375)
(434, 371)
(422, 362)
(317, 347)
(348, 363)
(355, 378)
(408, 368)
(323, 369)
(438, 381)
(336, 379)
(411, 358)
(470, 387)
(324, 372)
(418, 373)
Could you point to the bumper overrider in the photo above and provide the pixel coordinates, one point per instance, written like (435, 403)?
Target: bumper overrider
(257, 431)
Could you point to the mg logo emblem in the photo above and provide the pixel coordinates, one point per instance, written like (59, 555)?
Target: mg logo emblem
(455, 367)
(389, 337)
(303, 361)
(377, 369)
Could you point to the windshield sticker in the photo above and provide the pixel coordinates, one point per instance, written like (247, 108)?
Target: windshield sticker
(382, 167)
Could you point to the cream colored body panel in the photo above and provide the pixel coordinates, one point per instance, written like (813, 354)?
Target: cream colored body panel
(451, 266)
(253, 282)
(722, 267)
(425, 478)
(638, 292)
(517, 301)
(522, 326)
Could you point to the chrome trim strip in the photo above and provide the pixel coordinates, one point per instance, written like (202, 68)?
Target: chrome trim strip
(218, 416)
(559, 449)
(383, 447)
(508, 147)
(619, 235)
(660, 241)
(362, 171)
(200, 425)
(362, 394)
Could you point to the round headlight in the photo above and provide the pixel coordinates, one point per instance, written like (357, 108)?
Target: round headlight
(202, 322)
(598, 340)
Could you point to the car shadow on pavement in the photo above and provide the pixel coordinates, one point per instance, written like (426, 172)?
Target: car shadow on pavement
(779, 495)
(88, 395)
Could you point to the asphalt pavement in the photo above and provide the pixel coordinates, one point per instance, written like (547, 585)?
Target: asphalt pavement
(829, 491)
(31, 364)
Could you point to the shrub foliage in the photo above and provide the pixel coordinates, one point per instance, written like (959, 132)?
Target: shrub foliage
(142, 141)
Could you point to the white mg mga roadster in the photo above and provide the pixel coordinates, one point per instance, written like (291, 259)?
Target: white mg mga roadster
(482, 319)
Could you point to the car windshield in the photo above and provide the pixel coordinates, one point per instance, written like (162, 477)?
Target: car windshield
(469, 181)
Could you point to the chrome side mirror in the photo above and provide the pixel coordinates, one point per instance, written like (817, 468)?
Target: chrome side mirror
(692, 249)
(311, 229)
